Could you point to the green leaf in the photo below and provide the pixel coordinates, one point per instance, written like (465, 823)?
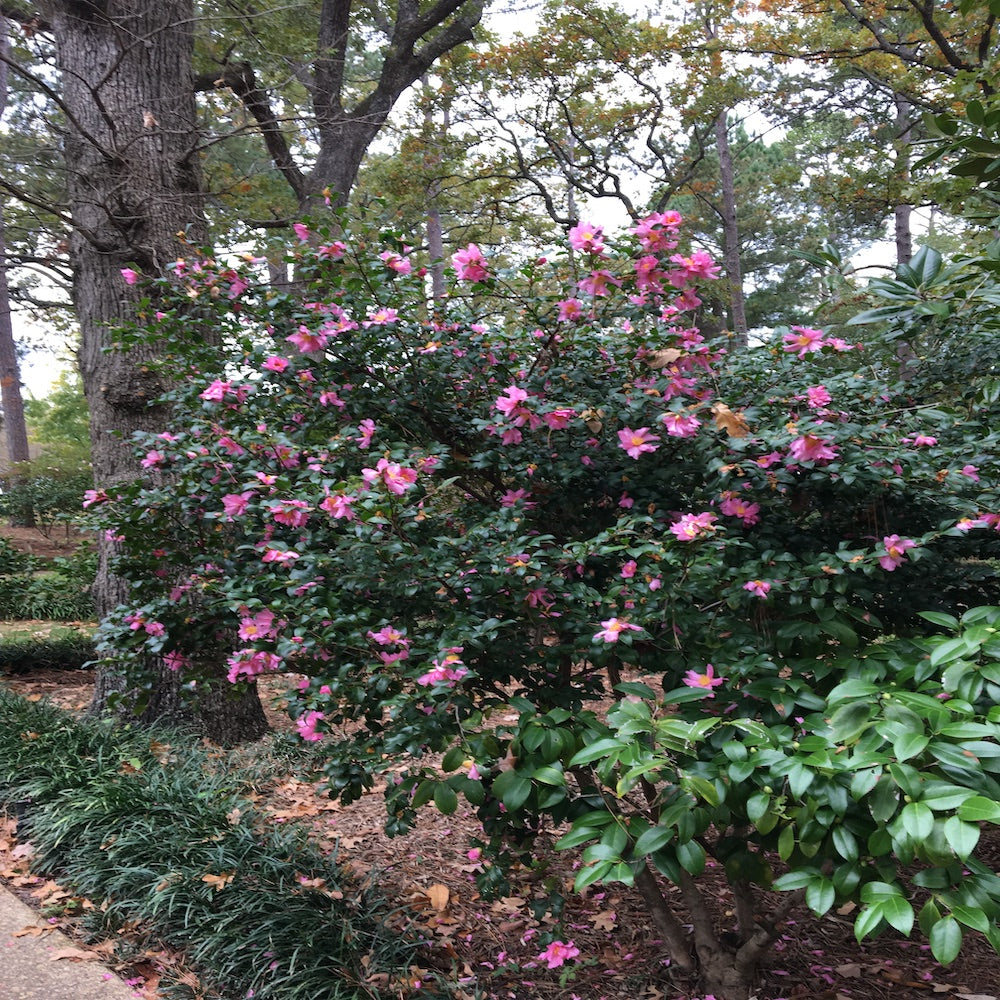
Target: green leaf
(652, 840)
(691, 856)
(445, 799)
(590, 874)
(702, 788)
(917, 820)
(938, 618)
(820, 896)
(513, 789)
(946, 940)
(962, 837)
(849, 721)
(786, 843)
(757, 806)
(971, 916)
(606, 747)
(909, 745)
(868, 920)
(898, 913)
(549, 775)
(979, 809)
(845, 843)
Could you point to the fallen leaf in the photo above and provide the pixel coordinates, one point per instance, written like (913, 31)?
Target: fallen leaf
(219, 882)
(32, 930)
(604, 921)
(74, 954)
(438, 895)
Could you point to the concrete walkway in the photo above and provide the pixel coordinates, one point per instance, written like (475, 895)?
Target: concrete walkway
(30, 970)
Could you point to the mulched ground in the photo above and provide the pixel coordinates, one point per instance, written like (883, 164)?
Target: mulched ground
(493, 944)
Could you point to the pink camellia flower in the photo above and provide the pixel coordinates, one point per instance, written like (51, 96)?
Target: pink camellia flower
(301, 231)
(512, 497)
(90, 497)
(448, 670)
(612, 628)
(748, 513)
(389, 636)
(817, 396)
(260, 626)
(658, 231)
(628, 570)
(698, 265)
(175, 660)
(598, 283)
(636, 442)
(586, 237)
(810, 448)
(396, 478)
(283, 556)
(803, 340)
(570, 310)
(510, 405)
(679, 424)
(331, 251)
(153, 459)
(971, 471)
(924, 441)
(308, 342)
(381, 317)
(393, 261)
(766, 461)
(558, 953)
(469, 264)
(706, 680)
(339, 506)
(692, 526)
(276, 364)
(895, 551)
(294, 513)
(130, 276)
(234, 504)
(251, 662)
(559, 418)
(217, 391)
(306, 725)
(760, 588)
(367, 428)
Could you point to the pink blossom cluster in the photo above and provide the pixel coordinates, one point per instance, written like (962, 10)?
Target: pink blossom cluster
(250, 663)
(396, 647)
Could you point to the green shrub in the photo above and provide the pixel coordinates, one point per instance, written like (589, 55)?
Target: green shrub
(22, 653)
(59, 592)
(44, 498)
(146, 825)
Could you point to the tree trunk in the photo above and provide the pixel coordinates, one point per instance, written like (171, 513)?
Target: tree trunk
(731, 232)
(10, 375)
(134, 185)
(903, 211)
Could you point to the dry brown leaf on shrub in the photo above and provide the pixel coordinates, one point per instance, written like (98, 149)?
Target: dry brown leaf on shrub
(662, 358)
(734, 424)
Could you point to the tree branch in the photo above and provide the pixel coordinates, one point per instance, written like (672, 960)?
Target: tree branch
(240, 78)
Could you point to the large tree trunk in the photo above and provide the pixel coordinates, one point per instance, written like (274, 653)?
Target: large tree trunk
(134, 185)
(15, 430)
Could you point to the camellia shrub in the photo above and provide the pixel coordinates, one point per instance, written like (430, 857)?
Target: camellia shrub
(461, 523)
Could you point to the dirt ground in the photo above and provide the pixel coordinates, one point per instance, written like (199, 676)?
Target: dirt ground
(493, 945)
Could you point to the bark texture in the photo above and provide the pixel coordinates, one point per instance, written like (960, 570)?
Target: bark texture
(134, 186)
(14, 427)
